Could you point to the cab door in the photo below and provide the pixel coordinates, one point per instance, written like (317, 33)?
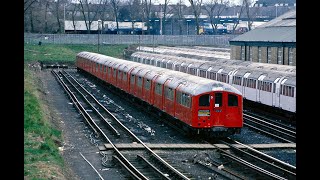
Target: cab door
(217, 104)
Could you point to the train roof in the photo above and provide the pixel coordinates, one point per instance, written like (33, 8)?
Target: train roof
(253, 66)
(191, 84)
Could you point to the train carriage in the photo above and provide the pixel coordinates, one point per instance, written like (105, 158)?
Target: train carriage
(245, 76)
(201, 104)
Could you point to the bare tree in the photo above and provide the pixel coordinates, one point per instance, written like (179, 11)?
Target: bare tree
(214, 8)
(250, 11)
(135, 8)
(164, 14)
(28, 4)
(236, 22)
(115, 5)
(178, 9)
(74, 10)
(91, 14)
(196, 7)
(147, 13)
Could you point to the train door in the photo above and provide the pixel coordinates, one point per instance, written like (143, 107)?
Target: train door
(276, 92)
(216, 100)
(259, 89)
(244, 84)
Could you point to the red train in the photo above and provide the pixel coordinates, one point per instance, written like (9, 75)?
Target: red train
(202, 105)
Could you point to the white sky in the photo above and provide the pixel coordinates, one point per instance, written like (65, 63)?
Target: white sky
(187, 2)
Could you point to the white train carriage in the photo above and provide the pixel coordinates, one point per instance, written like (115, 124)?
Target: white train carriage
(269, 84)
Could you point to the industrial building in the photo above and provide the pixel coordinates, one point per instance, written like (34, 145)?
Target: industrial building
(273, 42)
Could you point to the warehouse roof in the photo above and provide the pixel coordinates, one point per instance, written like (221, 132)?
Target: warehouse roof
(280, 29)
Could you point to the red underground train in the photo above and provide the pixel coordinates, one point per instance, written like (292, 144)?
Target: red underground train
(204, 106)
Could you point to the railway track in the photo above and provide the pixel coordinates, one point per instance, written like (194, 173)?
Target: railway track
(145, 164)
(270, 127)
(142, 165)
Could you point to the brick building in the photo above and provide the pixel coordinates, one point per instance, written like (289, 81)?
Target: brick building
(273, 42)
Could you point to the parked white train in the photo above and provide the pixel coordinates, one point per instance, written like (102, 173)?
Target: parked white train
(268, 84)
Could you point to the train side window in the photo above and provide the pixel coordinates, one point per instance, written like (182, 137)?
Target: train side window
(158, 64)
(109, 70)
(176, 68)
(114, 73)
(158, 89)
(218, 100)
(179, 97)
(187, 100)
(139, 83)
(236, 80)
(105, 69)
(212, 75)
(169, 66)
(232, 100)
(202, 73)
(119, 74)
(204, 100)
(124, 77)
(147, 84)
(168, 93)
(132, 79)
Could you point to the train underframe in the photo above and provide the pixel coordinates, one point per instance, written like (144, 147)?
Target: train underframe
(270, 111)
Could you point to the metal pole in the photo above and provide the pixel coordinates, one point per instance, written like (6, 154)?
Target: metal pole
(160, 19)
(64, 18)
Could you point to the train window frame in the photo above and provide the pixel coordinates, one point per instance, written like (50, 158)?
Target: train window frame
(212, 74)
(139, 81)
(177, 67)
(236, 80)
(233, 100)
(109, 71)
(104, 69)
(203, 73)
(158, 63)
(119, 75)
(124, 76)
(132, 79)
(158, 89)
(114, 74)
(220, 100)
(204, 100)
(169, 65)
(147, 84)
(192, 71)
(168, 93)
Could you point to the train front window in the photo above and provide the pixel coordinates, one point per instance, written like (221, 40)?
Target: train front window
(204, 100)
(232, 100)
(218, 100)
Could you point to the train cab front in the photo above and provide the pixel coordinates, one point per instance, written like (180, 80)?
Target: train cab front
(220, 113)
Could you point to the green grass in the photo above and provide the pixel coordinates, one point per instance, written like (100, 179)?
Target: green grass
(41, 155)
(67, 53)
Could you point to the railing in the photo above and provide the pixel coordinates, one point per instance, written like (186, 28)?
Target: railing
(207, 40)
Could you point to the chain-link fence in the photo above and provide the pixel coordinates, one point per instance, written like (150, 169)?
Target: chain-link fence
(192, 40)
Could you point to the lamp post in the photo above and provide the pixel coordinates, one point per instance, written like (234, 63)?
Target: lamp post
(277, 9)
(99, 30)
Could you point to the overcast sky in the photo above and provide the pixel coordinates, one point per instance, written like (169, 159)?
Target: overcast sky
(187, 2)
